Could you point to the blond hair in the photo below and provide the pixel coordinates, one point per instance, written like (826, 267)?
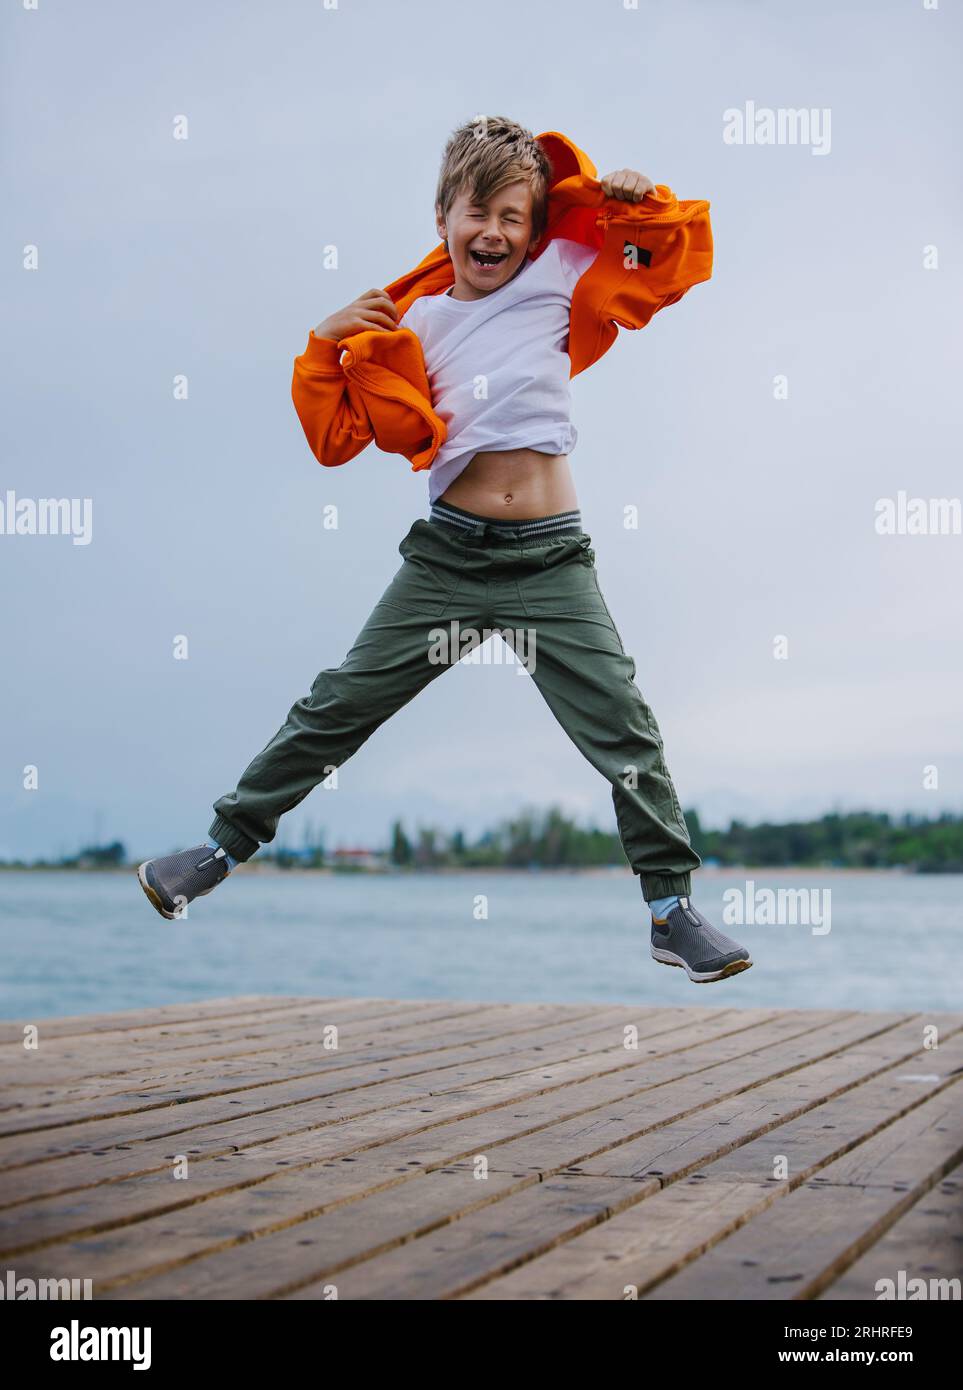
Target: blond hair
(484, 155)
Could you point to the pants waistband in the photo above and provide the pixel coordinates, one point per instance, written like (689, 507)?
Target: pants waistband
(456, 518)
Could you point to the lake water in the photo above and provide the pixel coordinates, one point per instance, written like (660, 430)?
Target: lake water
(74, 943)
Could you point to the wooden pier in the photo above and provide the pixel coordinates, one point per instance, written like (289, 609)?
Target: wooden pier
(301, 1148)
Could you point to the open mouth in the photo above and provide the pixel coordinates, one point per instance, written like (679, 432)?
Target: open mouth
(488, 259)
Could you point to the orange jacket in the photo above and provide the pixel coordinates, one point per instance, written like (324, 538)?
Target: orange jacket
(373, 385)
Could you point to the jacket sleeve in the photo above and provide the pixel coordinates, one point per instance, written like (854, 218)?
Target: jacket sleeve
(645, 264)
(661, 264)
(331, 410)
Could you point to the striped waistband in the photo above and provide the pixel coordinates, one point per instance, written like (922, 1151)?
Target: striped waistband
(559, 523)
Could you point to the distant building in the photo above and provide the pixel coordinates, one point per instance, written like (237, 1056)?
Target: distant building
(358, 858)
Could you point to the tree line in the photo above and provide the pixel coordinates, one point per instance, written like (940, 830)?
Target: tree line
(549, 839)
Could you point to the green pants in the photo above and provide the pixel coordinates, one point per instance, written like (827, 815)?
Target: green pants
(452, 591)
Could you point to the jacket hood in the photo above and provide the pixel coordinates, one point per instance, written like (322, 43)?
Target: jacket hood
(578, 210)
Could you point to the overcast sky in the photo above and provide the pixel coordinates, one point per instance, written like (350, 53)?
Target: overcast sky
(311, 126)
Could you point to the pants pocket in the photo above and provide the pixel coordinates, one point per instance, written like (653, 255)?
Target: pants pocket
(431, 574)
(564, 582)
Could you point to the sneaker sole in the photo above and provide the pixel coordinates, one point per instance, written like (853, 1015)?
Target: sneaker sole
(142, 880)
(704, 977)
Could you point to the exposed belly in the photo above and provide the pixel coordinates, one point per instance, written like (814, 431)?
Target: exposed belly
(514, 483)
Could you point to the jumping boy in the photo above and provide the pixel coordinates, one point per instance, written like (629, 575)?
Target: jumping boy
(463, 366)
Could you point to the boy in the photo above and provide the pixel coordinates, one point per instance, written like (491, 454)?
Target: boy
(463, 366)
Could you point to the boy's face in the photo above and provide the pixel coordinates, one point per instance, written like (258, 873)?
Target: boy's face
(488, 242)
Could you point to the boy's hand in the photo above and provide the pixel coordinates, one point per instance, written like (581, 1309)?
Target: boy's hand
(627, 184)
(373, 309)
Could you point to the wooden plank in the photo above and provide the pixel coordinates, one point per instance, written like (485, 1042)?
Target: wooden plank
(756, 1104)
(99, 1057)
(107, 1056)
(252, 1107)
(826, 1080)
(299, 1043)
(496, 1237)
(926, 1243)
(622, 1257)
(115, 1201)
(366, 1173)
(161, 1016)
(124, 1157)
(644, 1246)
(107, 1193)
(268, 1074)
(458, 1259)
(121, 1254)
(797, 1247)
(334, 1241)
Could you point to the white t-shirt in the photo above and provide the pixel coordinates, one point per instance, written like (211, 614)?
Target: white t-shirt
(498, 367)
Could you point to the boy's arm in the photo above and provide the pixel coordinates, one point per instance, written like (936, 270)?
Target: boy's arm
(334, 420)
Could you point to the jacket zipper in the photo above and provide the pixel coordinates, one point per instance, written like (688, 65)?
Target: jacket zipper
(659, 220)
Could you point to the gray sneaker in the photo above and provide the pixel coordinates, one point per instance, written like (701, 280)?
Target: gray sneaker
(178, 879)
(685, 938)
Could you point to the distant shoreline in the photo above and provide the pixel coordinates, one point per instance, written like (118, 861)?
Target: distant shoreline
(397, 870)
